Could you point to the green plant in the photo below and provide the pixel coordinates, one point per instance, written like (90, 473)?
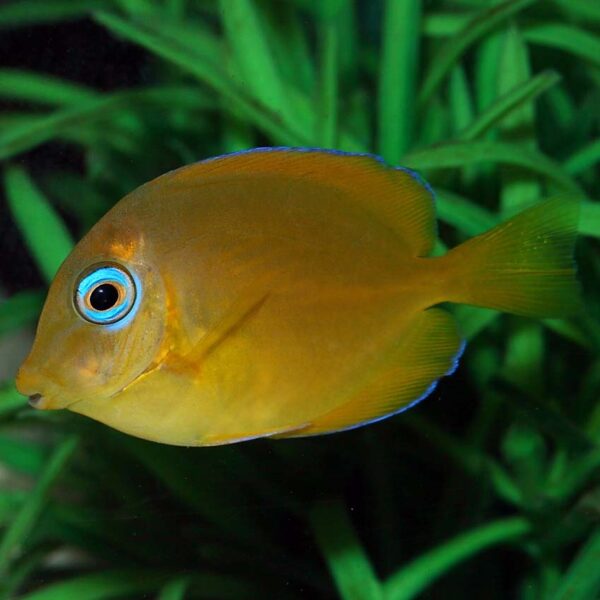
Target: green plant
(491, 487)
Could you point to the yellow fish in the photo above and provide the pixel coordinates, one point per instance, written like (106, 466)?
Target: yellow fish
(278, 292)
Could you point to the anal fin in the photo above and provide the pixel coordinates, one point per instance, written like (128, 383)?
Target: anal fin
(429, 349)
(221, 440)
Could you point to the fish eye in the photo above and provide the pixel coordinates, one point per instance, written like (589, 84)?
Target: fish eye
(105, 294)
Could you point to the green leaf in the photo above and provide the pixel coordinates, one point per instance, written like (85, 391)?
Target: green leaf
(20, 13)
(21, 572)
(569, 331)
(175, 590)
(582, 9)
(582, 580)
(209, 585)
(10, 399)
(524, 356)
(102, 586)
(435, 126)
(460, 154)
(561, 108)
(468, 217)
(27, 86)
(565, 37)
(203, 60)
(461, 103)
(487, 63)
(474, 320)
(585, 158)
(325, 9)
(40, 129)
(542, 414)
(290, 46)
(138, 8)
(11, 502)
(21, 455)
(19, 310)
(515, 71)
(450, 52)
(577, 475)
(345, 556)
(237, 135)
(193, 50)
(397, 78)
(44, 231)
(445, 24)
(350, 45)
(589, 220)
(519, 187)
(518, 97)
(15, 537)
(256, 68)
(415, 577)
(327, 104)
(504, 485)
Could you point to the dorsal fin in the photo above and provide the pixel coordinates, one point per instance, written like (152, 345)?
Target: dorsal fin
(397, 197)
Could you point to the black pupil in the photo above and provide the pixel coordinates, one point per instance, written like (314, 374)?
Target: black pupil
(105, 296)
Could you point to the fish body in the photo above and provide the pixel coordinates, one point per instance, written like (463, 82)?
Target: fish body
(277, 292)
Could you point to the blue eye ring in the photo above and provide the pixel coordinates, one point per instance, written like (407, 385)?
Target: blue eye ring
(105, 293)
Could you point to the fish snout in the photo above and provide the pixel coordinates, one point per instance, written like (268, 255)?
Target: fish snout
(31, 385)
(43, 389)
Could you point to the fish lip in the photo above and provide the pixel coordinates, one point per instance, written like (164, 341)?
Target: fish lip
(46, 399)
(35, 400)
(41, 402)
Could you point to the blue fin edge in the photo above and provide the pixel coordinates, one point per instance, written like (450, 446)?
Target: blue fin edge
(414, 174)
(425, 394)
(264, 149)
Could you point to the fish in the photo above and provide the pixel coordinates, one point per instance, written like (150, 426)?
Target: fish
(279, 293)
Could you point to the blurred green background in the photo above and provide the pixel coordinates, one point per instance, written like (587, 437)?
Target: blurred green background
(488, 489)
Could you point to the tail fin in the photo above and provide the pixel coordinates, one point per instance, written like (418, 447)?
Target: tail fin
(524, 266)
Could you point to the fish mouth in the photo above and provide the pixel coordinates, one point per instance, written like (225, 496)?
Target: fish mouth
(48, 399)
(42, 391)
(36, 400)
(40, 402)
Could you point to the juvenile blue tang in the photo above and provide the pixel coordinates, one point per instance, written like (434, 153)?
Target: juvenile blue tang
(278, 293)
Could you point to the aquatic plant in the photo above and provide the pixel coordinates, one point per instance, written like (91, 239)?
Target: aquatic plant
(488, 489)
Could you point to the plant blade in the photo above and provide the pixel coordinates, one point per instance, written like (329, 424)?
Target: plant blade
(44, 231)
(346, 559)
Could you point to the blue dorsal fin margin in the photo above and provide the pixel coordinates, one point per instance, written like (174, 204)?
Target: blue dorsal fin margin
(414, 174)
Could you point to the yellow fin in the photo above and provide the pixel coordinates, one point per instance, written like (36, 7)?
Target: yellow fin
(221, 440)
(524, 266)
(429, 349)
(397, 197)
(241, 311)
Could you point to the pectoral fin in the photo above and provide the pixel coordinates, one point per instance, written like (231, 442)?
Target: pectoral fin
(189, 363)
